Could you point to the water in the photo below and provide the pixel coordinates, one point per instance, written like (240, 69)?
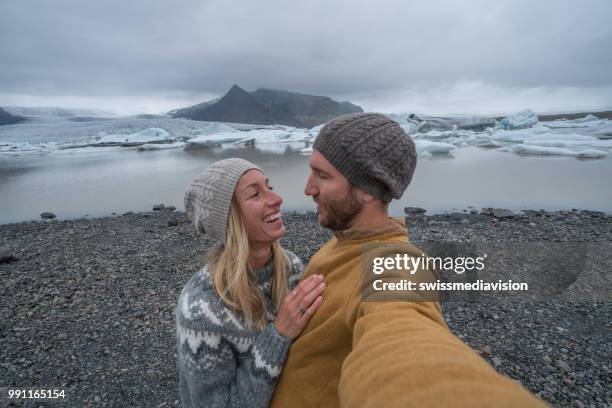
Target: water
(73, 184)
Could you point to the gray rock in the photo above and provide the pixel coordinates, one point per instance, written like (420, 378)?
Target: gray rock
(563, 365)
(47, 215)
(173, 223)
(486, 211)
(6, 256)
(502, 213)
(414, 210)
(577, 404)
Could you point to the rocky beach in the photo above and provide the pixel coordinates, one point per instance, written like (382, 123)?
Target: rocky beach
(87, 305)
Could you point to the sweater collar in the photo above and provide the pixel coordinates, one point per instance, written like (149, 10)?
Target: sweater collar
(393, 226)
(264, 274)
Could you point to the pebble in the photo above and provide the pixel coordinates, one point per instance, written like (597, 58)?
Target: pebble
(563, 365)
(7, 256)
(87, 282)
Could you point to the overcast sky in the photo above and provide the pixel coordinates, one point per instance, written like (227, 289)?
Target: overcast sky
(389, 56)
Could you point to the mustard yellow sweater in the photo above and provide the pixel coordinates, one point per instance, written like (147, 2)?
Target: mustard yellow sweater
(358, 353)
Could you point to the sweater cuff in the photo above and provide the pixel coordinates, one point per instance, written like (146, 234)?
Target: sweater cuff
(274, 331)
(273, 348)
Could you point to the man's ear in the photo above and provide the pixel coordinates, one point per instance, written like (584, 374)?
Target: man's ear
(365, 197)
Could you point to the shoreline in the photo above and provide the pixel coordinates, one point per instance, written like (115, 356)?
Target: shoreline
(88, 305)
(408, 212)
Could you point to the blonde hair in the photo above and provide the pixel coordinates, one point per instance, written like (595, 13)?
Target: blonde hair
(235, 281)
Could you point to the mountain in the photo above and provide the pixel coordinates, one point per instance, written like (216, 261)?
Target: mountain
(268, 107)
(8, 119)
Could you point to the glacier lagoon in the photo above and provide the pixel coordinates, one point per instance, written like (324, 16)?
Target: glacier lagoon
(95, 168)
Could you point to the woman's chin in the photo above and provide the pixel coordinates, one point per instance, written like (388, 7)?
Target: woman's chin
(279, 232)
(275, 230)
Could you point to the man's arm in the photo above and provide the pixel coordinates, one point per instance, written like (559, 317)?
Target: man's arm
(404, 355)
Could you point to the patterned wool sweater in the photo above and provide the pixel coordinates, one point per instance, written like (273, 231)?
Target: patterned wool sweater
(223, 363)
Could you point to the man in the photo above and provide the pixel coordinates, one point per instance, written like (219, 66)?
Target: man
(356, 351)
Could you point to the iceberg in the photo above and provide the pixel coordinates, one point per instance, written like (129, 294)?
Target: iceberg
(427, 146)
(215, 139)
(446, 134)
(26, 148)
(149, 146)
(306, 151)
(517, 136)
(144, 136)
(562, 142)
(591, 154)
(587, 121)
(557, 151)
(277, 136)
(522, 120)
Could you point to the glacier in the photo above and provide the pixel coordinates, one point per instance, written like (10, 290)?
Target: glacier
(589, 137)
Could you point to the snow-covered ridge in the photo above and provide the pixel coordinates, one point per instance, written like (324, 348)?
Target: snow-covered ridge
(523, 134)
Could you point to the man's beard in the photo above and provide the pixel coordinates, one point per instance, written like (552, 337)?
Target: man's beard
(340, 213)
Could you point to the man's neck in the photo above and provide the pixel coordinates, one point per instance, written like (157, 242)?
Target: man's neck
(369, 219)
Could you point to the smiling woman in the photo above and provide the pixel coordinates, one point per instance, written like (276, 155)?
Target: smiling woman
(238, 315)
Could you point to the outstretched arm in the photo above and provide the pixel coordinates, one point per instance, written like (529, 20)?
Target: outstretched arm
(404, 355)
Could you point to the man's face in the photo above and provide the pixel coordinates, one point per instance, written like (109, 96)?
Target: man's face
(337, 201)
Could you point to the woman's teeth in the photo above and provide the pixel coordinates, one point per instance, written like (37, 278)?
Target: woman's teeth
(272, 217)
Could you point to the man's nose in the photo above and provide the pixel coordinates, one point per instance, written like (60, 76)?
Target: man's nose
(310, 189)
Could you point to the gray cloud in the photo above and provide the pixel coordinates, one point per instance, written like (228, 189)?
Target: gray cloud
(382, 53)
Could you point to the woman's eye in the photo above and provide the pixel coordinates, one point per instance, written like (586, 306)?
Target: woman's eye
(254, 195)
(270, 188)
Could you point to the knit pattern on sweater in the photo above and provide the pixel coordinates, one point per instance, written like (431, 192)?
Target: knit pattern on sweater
(222, 362)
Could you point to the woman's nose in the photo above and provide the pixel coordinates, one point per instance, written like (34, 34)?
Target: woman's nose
(275, 199)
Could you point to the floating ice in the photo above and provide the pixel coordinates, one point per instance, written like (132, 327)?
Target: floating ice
(164, 146)
(517, 136)
(144, 136)
(591, 154)
(587, 121)
(306, 150)
(215, 139)
(522, 120)
(433, 147)
(523, 149)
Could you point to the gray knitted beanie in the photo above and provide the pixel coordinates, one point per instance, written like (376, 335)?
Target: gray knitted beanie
(372, 151)
(208, 197)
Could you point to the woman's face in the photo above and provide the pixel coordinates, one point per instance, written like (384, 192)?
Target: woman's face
(260, 207)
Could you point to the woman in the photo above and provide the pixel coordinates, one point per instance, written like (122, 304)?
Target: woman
(237, 317)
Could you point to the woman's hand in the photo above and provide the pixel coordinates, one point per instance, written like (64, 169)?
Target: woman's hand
(299, 306)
